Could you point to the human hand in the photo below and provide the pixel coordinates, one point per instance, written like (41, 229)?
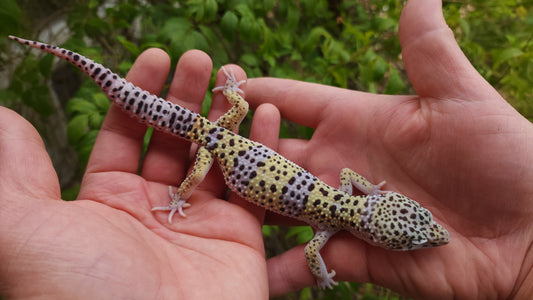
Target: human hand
(108, 243)
(456, 147)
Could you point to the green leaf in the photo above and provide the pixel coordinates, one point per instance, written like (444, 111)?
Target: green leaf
(341, 78)
(195, 40)
(45, 65)
(209, 35)
(211, 8)
(395, 84)
(228, 25)
(379, 69)
(293, 17)
(250, 30)
(95, 26)
(303, 233)
(76, 128)
(93, 4)
(101, 101)
(268, 230)
(313, 39)
(174, 29)
(7, 97)
(306, 293)
(125, 66)
(11, 20)
(71, 193)
(95, 120)
(81, 106)
(250, 60)
(268, 4)
(506, 55)
(38, 98)
(131, 47)
(85, 145)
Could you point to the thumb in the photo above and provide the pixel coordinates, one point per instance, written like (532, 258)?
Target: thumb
(25, 167)
(435, 64)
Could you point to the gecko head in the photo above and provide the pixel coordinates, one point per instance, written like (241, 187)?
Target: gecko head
(395, 222)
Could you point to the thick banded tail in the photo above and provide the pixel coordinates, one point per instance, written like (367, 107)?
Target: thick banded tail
(138, 103)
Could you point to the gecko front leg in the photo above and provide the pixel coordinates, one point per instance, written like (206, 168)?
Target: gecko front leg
(349, 178)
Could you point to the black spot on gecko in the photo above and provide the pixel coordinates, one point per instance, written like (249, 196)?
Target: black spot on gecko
(292, 180)
(332, 210)
(253, 174)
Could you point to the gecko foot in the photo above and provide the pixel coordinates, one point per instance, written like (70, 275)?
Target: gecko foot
(176, 205)
(327, 281)
(231, 83)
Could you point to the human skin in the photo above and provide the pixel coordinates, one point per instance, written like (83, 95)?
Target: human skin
(456, 147)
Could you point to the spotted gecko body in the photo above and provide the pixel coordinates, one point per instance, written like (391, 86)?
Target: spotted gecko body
(262, 176)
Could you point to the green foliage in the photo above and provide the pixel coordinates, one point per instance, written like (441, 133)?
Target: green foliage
(87, 111)
(497, 38)
(350, 44)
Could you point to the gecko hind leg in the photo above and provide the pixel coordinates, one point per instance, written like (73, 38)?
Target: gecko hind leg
(315, 261)
(202, 164)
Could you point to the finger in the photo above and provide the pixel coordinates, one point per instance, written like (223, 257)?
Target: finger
(265, 130)
(288, 272)
(435, 64)
(301, 102)
(25, 168)
(118, 146)
(168, 158)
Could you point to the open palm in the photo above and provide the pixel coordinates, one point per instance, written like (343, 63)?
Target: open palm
(108, 244)
(456, 147)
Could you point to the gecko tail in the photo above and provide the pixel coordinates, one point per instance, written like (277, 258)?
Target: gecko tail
(136, 102)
